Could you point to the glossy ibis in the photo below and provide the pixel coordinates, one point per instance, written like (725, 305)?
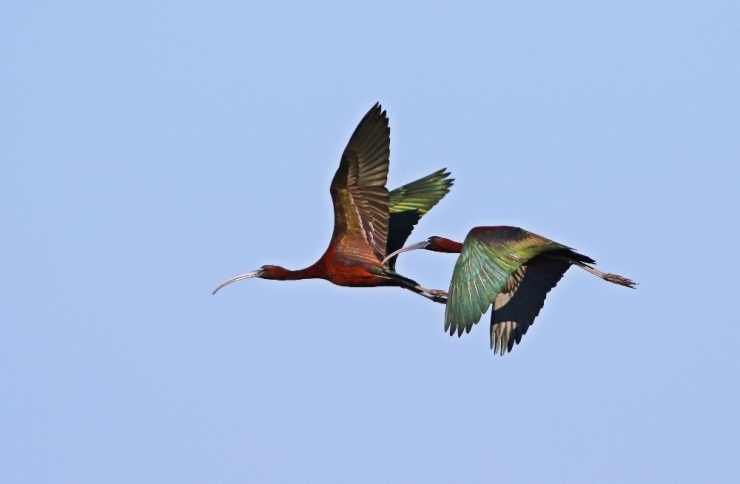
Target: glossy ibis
(509, 268)
(369, 222)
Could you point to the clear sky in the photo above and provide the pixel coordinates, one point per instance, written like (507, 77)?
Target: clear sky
(151, 150)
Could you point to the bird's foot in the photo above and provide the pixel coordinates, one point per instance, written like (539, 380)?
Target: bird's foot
(436, 295)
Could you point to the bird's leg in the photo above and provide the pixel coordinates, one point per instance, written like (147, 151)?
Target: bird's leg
(435, 295)
(613, 278)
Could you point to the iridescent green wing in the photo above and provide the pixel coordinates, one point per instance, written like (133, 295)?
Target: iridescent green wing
(490, 256)
(409, 203)
(358, 191)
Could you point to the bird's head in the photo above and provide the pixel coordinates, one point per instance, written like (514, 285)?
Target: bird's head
(419, 245)
(264, 272)
(433, 243)
(440, 244)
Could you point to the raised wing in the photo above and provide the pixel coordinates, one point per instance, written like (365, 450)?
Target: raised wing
(489, 259)
(358, 191)
(411, 202)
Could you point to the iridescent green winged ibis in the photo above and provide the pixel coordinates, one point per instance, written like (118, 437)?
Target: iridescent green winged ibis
(369, 222)
(509, 268)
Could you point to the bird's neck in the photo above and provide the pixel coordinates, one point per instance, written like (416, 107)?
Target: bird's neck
(282, 274)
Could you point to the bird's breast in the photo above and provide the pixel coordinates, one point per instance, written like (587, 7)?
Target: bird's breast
(354, 276)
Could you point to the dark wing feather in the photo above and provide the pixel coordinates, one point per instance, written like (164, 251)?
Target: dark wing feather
(411, 202)
(358, 190)
(516, 307)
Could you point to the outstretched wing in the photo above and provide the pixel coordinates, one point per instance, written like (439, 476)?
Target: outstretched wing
(521, 300)
(489, 264)
(411, 202)
(523, 296)
(358, 191)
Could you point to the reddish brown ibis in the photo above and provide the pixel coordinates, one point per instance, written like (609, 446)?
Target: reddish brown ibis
(509, 268)
(369, 222)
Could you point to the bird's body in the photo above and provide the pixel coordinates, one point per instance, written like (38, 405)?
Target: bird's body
(507, 268)
(369, 221)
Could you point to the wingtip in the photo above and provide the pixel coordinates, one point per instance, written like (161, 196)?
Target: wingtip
(378, 108)
(443, 174)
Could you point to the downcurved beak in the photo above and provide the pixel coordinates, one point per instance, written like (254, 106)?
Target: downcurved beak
(420, 245)
(256, 273)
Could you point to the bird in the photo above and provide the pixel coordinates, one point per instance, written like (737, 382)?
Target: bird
(369, 221)
(510, 269)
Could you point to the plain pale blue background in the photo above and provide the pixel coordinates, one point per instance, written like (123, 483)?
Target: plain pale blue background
(150, 151)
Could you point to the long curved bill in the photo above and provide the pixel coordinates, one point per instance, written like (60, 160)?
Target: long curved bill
(419, 245)
(256, 273)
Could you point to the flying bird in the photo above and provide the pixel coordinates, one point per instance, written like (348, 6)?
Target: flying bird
(369, 222)
(510, 269)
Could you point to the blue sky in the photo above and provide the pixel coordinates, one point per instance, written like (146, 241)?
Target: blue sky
(151, 151)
